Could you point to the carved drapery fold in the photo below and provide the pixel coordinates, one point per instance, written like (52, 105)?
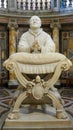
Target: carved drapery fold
(16, 65)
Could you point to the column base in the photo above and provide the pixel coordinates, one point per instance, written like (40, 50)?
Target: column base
(58, 83)
(12, 83)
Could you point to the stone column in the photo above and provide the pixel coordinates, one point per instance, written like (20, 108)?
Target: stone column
(55, 25)
(12, 25)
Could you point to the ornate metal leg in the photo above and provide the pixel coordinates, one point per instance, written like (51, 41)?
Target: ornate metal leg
(57, 104)
(15, 112)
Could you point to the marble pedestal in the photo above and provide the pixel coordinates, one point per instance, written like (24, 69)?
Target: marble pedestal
(38, 120)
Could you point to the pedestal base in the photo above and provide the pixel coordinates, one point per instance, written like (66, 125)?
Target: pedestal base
(37, 120)
(13, 83)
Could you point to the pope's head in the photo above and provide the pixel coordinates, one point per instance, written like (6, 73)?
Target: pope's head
(35, 22)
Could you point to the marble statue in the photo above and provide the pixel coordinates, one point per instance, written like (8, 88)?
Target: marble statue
(36, 55)
(36, 35)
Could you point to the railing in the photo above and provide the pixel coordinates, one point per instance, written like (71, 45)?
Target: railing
(4, 4)
(33, 5)
(66, 5)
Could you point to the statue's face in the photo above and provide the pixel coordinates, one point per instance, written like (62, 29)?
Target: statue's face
(35, 22)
